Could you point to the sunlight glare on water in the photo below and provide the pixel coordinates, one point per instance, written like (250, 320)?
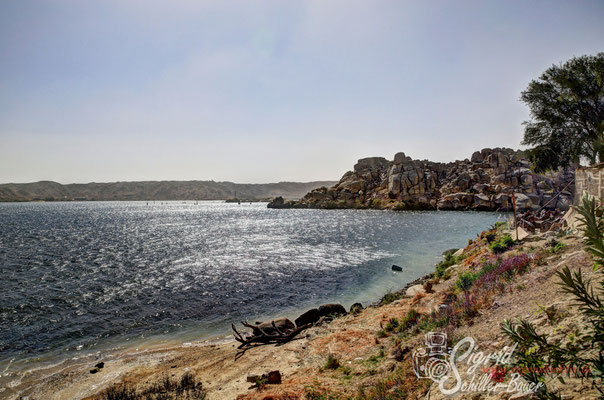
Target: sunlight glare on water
(76, 275)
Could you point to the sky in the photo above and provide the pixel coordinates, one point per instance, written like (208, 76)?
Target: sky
(268, 91)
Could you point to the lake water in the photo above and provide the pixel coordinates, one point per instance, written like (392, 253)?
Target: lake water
(84, 276)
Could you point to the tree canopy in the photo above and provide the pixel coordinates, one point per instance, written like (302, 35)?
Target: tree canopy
(567, 114)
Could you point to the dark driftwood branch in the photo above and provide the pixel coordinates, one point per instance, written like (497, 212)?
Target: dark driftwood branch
(276, 329)
(278, 337)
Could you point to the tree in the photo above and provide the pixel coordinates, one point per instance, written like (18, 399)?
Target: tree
(567, 114)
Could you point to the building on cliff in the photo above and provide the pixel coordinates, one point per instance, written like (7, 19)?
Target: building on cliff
(590, 180)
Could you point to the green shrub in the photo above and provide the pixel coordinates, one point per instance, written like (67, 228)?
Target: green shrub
(392, 324)
(314, 393)
(500, 224)
(409, 320)
(389, 297)
(400, 206)
(557, 247)
(376, 358)
(332, 362)
(466, 280)
(490, 236)
(442, 266)
(165, 388)
(377, 203)
(502, 244)
(507, 241)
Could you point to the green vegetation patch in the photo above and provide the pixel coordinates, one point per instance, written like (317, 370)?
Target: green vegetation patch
(502, 244)
(442, 266)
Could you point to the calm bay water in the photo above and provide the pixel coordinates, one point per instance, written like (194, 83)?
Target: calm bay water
(79, 276)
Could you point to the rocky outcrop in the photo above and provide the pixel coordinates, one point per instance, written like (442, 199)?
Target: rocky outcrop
(486, 181)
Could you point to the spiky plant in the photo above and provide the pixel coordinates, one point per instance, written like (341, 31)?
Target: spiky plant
(584, 355)
(593, 226)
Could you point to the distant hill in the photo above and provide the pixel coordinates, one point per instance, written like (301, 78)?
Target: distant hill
(155, 190)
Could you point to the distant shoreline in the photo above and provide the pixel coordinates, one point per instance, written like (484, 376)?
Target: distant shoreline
(229, 201)
(154, 191)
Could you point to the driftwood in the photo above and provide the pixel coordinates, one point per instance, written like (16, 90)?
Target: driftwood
(263, 337)
(543, 220)
(282, 330)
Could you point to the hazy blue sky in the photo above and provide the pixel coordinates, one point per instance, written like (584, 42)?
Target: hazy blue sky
(261, 91)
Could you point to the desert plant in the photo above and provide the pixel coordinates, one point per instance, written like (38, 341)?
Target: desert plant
(593, 226)
(555, 246)
(119, 392)
(583, 356)
(500, 224)
(377, 203)
(332, 362)
(319, 393)
(410, 319)
(389, 297)
(165, 388)
(466, 280)
(392, 324)
(502, 244)
(442, 266)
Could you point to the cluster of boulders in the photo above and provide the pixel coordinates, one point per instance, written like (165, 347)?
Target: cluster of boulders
(310, 317)
(486, 181)
(314, 315)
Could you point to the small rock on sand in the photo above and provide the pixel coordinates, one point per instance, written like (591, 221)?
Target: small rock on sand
(415, 289)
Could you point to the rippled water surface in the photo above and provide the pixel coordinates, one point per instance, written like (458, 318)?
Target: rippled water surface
(76, 276)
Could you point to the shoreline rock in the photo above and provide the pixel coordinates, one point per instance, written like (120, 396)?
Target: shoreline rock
(483, 183)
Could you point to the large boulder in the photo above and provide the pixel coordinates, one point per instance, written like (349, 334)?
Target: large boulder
(283, 324)
(355, 186)
(279, 202)
(477, 157)
(415, 290)
(464, 181)
(309, 317)
(400, 158)
(371, 163)
(332, 310)
(394, 184)
(430, 178)
(526, 180)
(318, 195)
(414, 176)
(356, 308)
(483, 202)
(523, 202)
(502, 200)
(456, 201)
